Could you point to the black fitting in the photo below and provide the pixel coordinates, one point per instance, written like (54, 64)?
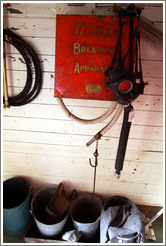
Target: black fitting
(131, 10)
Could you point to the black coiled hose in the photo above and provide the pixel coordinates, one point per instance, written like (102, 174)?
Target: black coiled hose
(33, 83)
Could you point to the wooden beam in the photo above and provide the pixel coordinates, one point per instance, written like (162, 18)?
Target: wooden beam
(148, 30)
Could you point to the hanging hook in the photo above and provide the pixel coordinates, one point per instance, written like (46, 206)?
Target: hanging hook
(96, 154)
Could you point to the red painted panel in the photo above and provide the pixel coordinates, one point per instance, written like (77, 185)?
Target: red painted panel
(85, 47)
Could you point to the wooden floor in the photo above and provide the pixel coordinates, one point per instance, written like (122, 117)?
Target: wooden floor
(149, 212)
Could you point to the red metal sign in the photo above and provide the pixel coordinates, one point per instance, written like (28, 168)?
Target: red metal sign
(85, 47)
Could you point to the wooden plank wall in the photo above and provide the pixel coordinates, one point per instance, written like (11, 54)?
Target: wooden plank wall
(46, 147)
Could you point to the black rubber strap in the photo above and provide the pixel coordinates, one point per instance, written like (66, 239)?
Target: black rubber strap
(133, 34)
(118, 46)
(131, 46)
(140, 63)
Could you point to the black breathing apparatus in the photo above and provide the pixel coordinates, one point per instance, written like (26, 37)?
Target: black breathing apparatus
(127, 84)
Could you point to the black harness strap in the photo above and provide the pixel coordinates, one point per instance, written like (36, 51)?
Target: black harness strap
(118, 46)
(132, 35)
(131, 46)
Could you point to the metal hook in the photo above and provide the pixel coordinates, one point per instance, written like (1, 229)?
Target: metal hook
(96, 154)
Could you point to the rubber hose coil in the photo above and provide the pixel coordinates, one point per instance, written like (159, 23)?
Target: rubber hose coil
(33, 82)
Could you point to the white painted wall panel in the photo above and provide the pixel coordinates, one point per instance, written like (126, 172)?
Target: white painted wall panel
(44, 145)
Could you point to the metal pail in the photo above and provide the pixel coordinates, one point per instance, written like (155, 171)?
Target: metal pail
(16, 206)
(47, 225)
(85, 213)
(118, 201)
(121, 222)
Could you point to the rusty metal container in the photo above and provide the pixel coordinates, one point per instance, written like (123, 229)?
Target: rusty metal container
(16, 206)
(48, 225)
(85, 213)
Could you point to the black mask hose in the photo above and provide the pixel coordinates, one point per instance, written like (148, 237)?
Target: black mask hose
(33, 81)
(123, 141)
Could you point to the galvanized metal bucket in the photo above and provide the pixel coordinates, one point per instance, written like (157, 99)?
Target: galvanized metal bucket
(121, 222)
(85, 213)
(47, 225)
(16, 206)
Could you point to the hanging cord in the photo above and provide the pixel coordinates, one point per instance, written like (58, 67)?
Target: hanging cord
(32, 88)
